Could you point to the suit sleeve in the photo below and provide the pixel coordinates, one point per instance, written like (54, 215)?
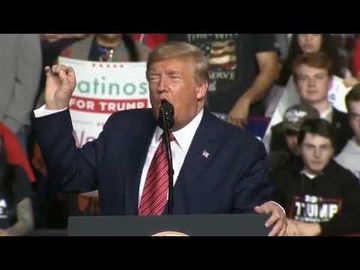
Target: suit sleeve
(253, 187)
(70, 168)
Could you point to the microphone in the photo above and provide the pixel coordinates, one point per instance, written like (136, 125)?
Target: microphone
(166, 115)
(166, 122)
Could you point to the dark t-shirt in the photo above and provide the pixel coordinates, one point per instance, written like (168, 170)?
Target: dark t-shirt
(233, 65)
(14, 189)
(98, 52)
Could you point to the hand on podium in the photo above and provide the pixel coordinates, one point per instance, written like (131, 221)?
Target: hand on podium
(277, 220)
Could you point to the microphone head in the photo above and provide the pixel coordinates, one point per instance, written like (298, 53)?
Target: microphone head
(166, 115)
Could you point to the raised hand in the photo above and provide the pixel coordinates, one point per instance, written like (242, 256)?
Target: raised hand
(60, 84)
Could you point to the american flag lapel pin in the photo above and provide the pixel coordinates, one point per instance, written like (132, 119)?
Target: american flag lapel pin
(205, 154)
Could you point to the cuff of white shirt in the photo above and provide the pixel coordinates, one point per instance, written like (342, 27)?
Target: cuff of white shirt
(279, 206)
(44, 112)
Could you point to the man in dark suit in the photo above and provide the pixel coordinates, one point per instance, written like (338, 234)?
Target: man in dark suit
(218, 168)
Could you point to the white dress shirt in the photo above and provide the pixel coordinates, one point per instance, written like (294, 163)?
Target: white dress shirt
(179, 148)
(44, 112)
(327, 114)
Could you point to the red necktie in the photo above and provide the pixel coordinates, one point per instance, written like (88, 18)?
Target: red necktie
(154, 196)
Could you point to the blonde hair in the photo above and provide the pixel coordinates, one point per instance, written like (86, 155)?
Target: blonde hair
(171, 50)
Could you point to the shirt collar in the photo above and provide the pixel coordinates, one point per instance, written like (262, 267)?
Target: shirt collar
(327, 115)
(185, 135)
(307, 174)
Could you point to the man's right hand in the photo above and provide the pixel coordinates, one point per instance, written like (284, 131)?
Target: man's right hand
(60, 84)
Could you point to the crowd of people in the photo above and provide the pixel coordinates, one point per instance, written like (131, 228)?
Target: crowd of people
(305, 173)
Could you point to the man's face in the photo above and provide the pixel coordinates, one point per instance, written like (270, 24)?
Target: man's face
(174, 80)
(354, 116)
(316, 152)
(309, 43)
(312, 84)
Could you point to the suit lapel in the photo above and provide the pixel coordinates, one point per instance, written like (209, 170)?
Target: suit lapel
(139, 148)
(201, 152)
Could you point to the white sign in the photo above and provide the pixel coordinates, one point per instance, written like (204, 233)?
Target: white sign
(103, 88)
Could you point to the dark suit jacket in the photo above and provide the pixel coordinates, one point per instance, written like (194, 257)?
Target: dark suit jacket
(232, 179)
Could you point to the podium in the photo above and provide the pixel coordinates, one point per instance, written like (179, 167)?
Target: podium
(169, 225)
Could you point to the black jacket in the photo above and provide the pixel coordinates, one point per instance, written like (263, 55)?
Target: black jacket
(316, 200)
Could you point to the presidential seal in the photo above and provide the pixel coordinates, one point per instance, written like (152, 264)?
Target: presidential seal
(170, 233)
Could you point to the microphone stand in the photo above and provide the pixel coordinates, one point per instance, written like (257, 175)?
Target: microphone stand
(166, 138)
(170, 172)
